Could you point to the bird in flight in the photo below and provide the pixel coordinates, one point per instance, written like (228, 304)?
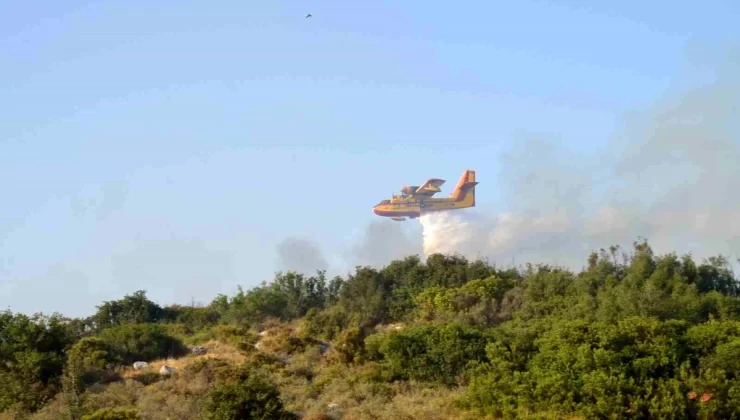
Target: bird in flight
(308, 16)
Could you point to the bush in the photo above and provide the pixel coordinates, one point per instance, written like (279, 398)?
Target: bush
(219, 371)
(141, 342)
(350, 346)
(281, 341)
(86, 365)
(249, 398)
(192, 318)
(148, 378)
(113, 414)
(436, 353)
(648, 337)
(240, 337)
(325, 324)
(31, 358)
(642, 366)
(87, 361)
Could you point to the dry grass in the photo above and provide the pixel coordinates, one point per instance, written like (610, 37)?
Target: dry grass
(179, 396)
(281, 341)
(342, 396)
(216, 350)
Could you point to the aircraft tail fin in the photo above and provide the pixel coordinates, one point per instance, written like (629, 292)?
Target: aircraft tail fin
(464, 191)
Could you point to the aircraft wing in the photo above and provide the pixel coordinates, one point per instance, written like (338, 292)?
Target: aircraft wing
(430, 187)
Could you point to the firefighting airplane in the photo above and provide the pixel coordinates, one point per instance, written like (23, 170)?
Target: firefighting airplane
(416, 200)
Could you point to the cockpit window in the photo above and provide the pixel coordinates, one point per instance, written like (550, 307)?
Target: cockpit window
(384, 202)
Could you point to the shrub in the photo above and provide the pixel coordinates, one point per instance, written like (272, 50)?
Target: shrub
(350, 346)
(113, 414)
(249, 398)
(281, 341)
(240, 337)
(437, 353)
(324, 324)
(86, 365)
(148, 378)
(141, 342)
(31, 358)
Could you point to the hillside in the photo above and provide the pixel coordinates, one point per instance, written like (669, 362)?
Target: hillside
(632, 335)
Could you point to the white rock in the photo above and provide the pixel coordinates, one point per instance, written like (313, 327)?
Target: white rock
(166, 370)
(199, 350)
(140, 365)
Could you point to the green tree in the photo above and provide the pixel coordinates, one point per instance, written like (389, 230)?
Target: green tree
(87, 363)
(716, 274)
(364, 297)
(140, 342)
(132, 309)
(32, 358)
(191, 317)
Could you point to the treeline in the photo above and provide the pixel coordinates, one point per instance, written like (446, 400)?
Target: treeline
(632, 335)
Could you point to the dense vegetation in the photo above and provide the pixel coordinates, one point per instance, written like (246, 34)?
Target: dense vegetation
(633, 335)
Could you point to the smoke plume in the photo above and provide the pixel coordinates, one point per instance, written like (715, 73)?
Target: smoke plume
(670, 175)
(383, 241)
(301, 256)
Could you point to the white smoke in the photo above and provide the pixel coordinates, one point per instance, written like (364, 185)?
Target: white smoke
(446, 232)
(506, 237)
(670, 176)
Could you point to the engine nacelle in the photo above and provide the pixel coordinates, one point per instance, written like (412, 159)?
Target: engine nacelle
(409, 189)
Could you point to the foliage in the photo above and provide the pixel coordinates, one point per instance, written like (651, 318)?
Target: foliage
(632, 335)
(86, 365)
(239, 336)
(113, 414)
(476, 302)
(326, 324)
(281, 341)
(192, 318)
(430, 352)
(289, 296)
(350, 346)
(32, 358)
(132, 309)
(140, 342)
(251, 397)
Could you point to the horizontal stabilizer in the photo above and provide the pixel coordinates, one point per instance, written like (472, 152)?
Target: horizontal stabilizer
(468, 185)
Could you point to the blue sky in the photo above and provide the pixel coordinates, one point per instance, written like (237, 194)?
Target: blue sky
(172, 146)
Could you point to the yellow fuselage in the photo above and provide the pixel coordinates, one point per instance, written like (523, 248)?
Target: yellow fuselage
(418, 200)
(413, 207)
